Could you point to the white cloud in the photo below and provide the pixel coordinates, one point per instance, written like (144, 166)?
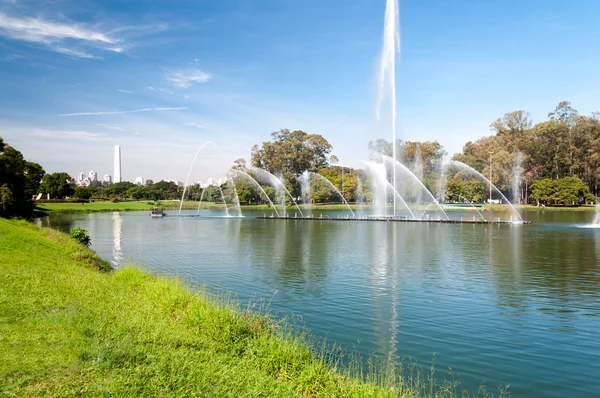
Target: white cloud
(122, 112)
(162, 90)
(200, 126)
(111, 127)
(185, 78)
(124, 91)
(81, 135)
(55, 35)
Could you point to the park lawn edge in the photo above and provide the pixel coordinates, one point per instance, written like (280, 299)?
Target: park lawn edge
(70, 325)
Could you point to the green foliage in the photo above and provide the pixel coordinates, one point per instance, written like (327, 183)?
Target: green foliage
(564, 191)
(291, 153)
(58, 185)
(19, 182)
(566, 145)
(81, 236)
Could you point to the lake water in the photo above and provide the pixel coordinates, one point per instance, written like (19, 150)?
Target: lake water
(514, 305)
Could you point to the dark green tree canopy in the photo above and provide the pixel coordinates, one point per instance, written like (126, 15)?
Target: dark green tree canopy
(58, 185)
(291, 152)
(19, 181)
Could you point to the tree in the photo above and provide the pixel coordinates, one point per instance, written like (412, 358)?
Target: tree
(58, 185)
(291, 152)
(239, 164)
(19, 181)
(564, 113)
(565, 191)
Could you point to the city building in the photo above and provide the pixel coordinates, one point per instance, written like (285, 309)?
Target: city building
(139, 181)
(107, 178)
(93, 176)
(85, 182)
(117, 173)
(80, 177)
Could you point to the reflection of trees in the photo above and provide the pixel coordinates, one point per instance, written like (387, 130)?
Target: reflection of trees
(555, 271)
(293, 254)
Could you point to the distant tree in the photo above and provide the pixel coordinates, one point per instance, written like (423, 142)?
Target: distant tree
(291, 153)
(58, 185)
(239, 164)
(84, 192)
(564, 191)
(564, 113)
(149, 182)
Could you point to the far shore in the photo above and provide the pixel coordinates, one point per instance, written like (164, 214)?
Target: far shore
(107, 206)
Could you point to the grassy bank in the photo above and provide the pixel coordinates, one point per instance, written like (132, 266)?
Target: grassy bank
(93, 207)
(71, 326)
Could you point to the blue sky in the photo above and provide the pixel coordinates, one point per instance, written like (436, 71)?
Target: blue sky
(162, 77)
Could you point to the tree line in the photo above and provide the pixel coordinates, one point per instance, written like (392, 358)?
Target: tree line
(558, 161)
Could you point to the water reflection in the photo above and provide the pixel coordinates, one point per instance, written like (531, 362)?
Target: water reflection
(117, 232)
(496, 303)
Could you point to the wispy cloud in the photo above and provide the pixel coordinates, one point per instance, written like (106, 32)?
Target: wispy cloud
(185, 78)
(124, 91)
(162, 90)
(122, 112)
(62, 37)
(81, 135)
(111, 127)
(191, 124)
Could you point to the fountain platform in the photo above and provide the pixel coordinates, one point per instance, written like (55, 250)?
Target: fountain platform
(394, 219)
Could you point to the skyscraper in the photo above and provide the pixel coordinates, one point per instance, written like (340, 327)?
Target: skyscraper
(117, 174)
(93, 176)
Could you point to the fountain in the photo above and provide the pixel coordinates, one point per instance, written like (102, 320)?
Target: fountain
(199, 203)
(414, 178)
(596, 223)
(190, 172)
(387, 70)
(379, 179)
(224, 202)
(472, 170)
(305, 191)
(276, 182)
(252, 180)
(326, 181)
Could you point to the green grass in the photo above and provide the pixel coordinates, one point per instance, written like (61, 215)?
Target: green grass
(71, 326)
(93, 207)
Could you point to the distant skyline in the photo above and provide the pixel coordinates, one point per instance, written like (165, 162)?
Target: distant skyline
(161, 78)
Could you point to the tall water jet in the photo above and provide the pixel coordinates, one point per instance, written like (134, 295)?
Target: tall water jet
(517, 178)
(253, 181)
(380, 185)
(420, 185)
(330, 184)
(596, 222)
(387, 70)
(224, 202)
(190, 172)
(200, 202)
(277, 183)
(236, 198)
(472, 170)
(418, 172)
(304, 179)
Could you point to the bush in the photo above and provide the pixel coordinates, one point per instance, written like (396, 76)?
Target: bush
(81, 236)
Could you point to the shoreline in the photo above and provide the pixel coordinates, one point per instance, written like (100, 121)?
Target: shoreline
(94, 207)
(73, 325)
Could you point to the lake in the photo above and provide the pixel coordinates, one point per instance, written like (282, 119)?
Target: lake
(514, 305)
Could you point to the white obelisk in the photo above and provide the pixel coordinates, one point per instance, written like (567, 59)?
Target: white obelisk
(117, 174)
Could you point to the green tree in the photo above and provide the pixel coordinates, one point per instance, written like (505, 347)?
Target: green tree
(19, 182)
(58, 185)
(291, 153)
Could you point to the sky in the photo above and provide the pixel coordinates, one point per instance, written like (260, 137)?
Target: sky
(160, 78)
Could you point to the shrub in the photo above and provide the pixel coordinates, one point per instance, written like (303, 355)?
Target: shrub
(81, 236)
